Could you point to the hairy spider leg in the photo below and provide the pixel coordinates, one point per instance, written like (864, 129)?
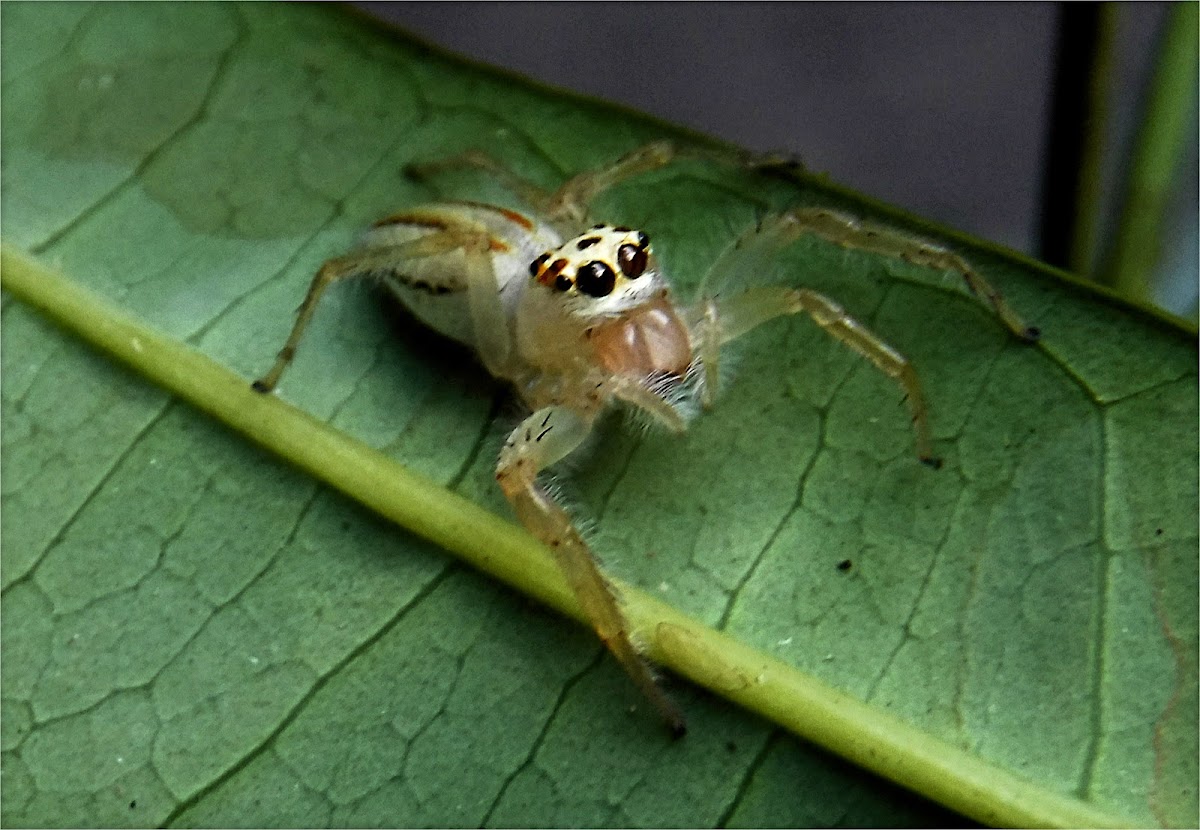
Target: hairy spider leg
(570, 203)
(849, 232)
(746, 259)
(716, 320)
(533, 195)
(495, 345)
(548, 435)
(723, 320)
(566, 208)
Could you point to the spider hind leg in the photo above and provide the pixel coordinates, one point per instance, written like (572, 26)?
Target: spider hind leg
(371, 262)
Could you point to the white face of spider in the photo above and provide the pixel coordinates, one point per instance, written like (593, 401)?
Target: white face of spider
(602, 272)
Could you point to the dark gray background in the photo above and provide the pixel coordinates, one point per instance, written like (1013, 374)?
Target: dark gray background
(939, 108)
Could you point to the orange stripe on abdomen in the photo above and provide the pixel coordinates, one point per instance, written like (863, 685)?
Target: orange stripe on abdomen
(420, 219)
(511, 215)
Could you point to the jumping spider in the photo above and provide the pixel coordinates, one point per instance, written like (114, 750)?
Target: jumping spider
(578, 316)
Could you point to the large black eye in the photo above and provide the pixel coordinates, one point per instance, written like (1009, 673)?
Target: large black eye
(632, 261)
(595, 279)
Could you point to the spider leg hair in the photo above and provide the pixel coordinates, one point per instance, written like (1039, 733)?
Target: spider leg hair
(548, 435)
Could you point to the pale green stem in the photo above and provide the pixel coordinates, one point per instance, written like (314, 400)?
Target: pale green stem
(1158, 151)
(842, 724)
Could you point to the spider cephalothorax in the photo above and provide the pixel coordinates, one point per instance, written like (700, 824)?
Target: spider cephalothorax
(599, 300)
(602, 263)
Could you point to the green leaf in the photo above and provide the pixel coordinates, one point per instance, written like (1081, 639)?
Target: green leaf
(196, 633)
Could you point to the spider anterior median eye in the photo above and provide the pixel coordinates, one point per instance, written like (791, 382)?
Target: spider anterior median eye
(632, 260)
(595, 279)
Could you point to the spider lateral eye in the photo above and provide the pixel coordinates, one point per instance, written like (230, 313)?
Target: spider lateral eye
(632, 260)
(595, 279)
(538, 264)
(553, 275)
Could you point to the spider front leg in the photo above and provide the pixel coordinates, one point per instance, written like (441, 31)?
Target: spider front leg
(723, 320)
(547, 436)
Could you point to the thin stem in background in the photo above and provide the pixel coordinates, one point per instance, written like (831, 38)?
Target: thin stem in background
(1162, 140)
